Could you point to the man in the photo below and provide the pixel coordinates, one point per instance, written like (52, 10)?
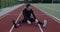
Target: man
(27, 12)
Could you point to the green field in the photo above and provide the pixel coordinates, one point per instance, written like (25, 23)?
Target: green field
(53, 9)
(7, 3)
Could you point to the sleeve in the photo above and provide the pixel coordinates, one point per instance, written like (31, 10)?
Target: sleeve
(24, 12)
(33, 14)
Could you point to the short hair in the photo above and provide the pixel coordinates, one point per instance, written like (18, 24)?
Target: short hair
(28, 5)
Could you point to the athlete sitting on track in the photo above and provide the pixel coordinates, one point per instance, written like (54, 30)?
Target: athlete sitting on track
(27, 17)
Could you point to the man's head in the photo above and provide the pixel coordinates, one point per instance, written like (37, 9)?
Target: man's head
(28, 6)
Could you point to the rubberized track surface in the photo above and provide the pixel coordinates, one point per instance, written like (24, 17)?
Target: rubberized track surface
(6, 22)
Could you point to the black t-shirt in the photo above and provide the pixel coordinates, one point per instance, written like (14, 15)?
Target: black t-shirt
(27, 13)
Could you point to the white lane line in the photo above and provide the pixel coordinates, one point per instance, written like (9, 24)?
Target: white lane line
(53, 17)
(40, 28)
(15, 21)
(2, 17)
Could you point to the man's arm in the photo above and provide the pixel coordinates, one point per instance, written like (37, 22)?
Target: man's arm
(33, 14)
(34, 17)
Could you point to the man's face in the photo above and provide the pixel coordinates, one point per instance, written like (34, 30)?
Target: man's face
(29, 8)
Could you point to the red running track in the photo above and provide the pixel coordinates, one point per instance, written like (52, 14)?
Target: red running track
(6, 22)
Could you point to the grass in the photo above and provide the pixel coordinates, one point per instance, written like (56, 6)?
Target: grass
(53, 9)
(7, 3)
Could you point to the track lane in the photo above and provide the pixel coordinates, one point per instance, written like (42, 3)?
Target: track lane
(6, 22)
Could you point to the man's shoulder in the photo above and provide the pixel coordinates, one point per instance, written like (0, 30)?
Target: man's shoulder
(24, 8)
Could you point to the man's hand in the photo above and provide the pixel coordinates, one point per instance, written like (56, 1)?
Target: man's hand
(36, 20)
(29, 22)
